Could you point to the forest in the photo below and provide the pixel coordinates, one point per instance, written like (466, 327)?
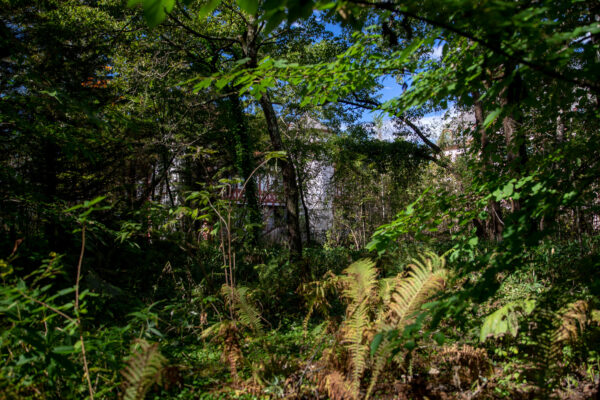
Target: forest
(299, 199)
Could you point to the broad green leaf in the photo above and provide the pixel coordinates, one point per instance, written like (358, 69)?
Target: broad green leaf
(376, 342)
(439, 338)
(505, 320)
(489, 120)
(250, 6)
(207, 8)
(63, 349)
(155, 11)
(274, 21)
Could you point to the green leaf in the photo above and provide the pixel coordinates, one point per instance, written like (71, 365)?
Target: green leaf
(410, 345)
(207, 8)
(505, 320)
(274, 21)
(250, 6)
(63, 349)
(94, 201)
(489, 120)
(155, 11)
(299, 9)
(376, 342)
(221, 83)
(508, 190)
(203, 84)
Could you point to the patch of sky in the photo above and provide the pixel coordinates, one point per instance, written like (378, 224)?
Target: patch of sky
(432, 123)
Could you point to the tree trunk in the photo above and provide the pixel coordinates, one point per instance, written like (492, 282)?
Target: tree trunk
(516, 151)
(495, 225)
(305, 208)
(290, 187)
(245, 165)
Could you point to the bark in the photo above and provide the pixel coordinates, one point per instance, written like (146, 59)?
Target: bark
(305, 208)
(495, 225)
(245, 165)
(290, 187)
(516, 151)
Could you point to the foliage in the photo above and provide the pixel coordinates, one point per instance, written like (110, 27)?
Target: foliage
(505, 319)
(144, 369)
(252, 187)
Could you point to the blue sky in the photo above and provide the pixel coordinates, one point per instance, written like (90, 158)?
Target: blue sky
(391, 89)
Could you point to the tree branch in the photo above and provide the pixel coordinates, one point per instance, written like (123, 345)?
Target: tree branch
(491, 46)
(369, 104)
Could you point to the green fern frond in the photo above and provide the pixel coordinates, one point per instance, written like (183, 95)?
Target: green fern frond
(144, 369)
(567, 325)
(384, 349)
(359, 282)
(549, 332)
(426, 278)
(246, 313)
(358, 350)
(315, 294)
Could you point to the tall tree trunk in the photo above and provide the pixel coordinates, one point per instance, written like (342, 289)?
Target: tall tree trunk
(516, 150)
(495, 227)
(290, 187)
(245, 164)
(305, 208)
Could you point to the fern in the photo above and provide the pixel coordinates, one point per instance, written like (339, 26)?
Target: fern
(227, 333)
(144, 369)
(571, 322)
(247, 315)
(379, 306)
(551, 330)
(427, 277)
(467, 364)
(564, 326)
(359, 282)
(315, 294)
(336, 387)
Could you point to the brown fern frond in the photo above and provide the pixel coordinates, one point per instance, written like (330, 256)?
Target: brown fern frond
(144, 369)
(315, 294)
(337, 387)
(379, 362)
(463, 365)
(554, 330)
(572, 321)
(476, 359)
